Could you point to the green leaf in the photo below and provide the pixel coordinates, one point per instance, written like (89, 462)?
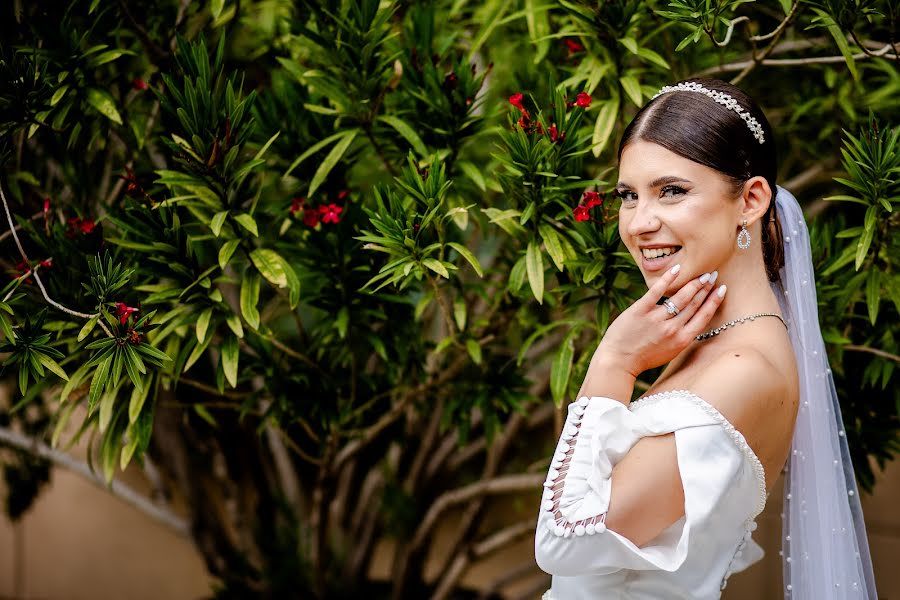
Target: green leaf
(248, 223)
(249, 299)
(603, 128)
(552, 244)
(136, 402)
(271, 265)
(330, 161)
(459, 312)
(107, 403)
(215, 8)
(98, 383)
(436, 266)
(234, 323)
(88, 327)
(407, 132)
(51, 365)
(474, 350)
(203, 324)
(840, 39)
(467, 254)
(312, 150)
(632, 87)
(103, 103)
(217, 221)
(226, 251)
(873, 294)
(561, 369)
(865, 240)
(230, 355)
(534, 264)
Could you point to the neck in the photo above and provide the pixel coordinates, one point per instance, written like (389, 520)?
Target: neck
(749, 292)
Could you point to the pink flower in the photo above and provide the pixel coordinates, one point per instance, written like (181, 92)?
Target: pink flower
(123, 311)
(583, 100)
(516, 100)
(573, 45)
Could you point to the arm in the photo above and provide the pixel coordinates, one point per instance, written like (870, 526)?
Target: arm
(608, 377)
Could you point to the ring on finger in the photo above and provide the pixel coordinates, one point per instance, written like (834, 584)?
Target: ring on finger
(671, 308)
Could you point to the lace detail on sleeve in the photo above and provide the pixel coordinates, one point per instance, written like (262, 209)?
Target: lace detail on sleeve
(556, 480)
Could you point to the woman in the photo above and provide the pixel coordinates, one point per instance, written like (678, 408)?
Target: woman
(658, 498)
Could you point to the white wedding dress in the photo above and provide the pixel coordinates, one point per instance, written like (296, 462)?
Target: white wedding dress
(724, 491)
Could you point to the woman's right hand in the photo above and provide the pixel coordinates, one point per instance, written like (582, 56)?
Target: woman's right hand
(645, 335)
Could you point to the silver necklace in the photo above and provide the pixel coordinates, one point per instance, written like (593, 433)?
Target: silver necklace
(724, 326)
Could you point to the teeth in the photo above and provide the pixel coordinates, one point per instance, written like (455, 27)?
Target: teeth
(656, 252)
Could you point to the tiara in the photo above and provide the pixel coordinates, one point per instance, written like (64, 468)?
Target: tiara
(722, 98)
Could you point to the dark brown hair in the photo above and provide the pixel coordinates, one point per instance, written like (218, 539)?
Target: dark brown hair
(700, 129)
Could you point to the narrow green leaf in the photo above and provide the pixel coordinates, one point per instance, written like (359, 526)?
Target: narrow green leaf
(467, 254)
(407, 133)
(234, 323)
(136, 402)
(561, 369)
(603, 128)
(330, 161)
(107, 402)
(248, 223)
(203, 324)
(436, 266)
(873, 294)
(474, 350)
(103, 103)
(52, 365)
(534, 264)
(632, 87)
(88, 327)
(249, 299)
(226, 251)
(552, 244)
(98, 383)
(217, 221)
(230, 355)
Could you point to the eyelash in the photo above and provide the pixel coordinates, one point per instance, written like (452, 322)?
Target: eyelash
(620, 194)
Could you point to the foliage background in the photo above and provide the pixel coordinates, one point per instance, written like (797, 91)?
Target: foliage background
(309, 267)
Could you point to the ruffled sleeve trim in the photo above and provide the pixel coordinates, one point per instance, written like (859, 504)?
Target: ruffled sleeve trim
(736, 436)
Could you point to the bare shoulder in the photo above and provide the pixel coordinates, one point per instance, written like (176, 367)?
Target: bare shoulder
(758, 394)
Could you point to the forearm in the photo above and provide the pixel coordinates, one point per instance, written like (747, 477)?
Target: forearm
(609, 378)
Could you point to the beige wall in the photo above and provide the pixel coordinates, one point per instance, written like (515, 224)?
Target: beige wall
(79, 542)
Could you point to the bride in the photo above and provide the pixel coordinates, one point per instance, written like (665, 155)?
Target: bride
(658, 498)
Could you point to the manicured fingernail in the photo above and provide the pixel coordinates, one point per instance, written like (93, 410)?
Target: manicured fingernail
(712, 279)
(704, 278)
(676, 268)
(721, 291)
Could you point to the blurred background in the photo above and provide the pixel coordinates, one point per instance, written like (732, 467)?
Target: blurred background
(296, 293)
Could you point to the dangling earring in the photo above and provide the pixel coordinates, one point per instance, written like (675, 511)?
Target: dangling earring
(743, 238)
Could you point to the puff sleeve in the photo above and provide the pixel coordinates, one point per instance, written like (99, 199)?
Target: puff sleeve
(571, 535)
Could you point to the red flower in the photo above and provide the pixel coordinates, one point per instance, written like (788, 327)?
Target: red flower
(592, 199)
(297, 204)
(310, 217)
(123, 311)
(46, 205)
(523, 122)
(139, 84)
(583, 100)
(342, 194)
(581, 213)
(573, 46)
(47, 263)
(516, 100)
(554, 134)
(76, 224)
(330, 212)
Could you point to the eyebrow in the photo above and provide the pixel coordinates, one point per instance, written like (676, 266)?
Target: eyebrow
(658, 181)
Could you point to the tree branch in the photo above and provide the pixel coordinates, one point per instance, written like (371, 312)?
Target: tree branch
(118, 489)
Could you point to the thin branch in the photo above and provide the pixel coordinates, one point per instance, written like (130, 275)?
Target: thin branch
(777, 31)
(12, 228)
(730, 30)
(787, 62)
(504, 484)
(874, 351)
(118, 489)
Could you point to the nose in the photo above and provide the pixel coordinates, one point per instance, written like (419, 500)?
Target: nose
(642, 219)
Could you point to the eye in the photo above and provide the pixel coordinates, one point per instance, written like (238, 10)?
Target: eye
(623, 195)
(674, 189)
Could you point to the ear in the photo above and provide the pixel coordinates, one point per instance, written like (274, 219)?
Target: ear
(756, 197)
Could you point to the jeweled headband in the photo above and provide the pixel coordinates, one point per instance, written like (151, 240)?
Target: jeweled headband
(722, 98)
